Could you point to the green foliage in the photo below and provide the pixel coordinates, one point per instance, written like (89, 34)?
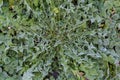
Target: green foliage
(61, 40)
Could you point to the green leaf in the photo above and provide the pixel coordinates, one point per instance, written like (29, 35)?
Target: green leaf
(10, 78)
(108, 4)
(36, 2)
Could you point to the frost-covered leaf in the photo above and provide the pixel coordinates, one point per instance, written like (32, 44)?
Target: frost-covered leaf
(27, 75)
